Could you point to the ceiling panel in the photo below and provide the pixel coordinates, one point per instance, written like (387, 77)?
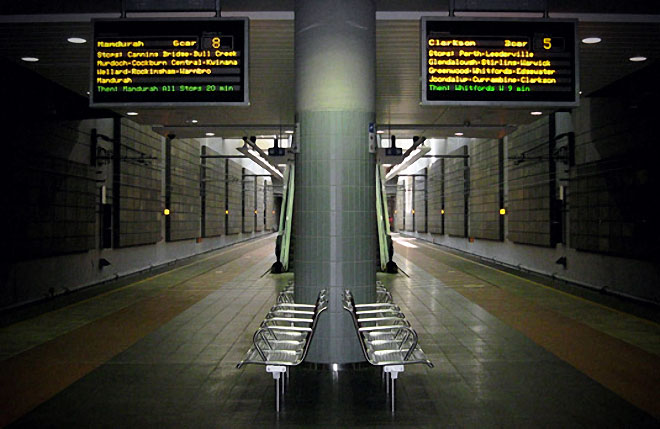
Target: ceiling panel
(608, 61)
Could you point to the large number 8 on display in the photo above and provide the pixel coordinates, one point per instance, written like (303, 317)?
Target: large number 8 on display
(215, 42)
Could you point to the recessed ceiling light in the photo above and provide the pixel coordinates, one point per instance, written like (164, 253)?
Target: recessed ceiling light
(289, 131)
(637, 59)
(132, 113)
(591, 40)
(580, 92)
(194, 121)
(30, 59)
(458, 134)
(210, 134)
(536, 113)
(76, 40)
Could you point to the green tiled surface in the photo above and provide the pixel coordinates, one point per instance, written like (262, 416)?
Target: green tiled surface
(485, 182)
(185, 200)
(455, 185)
(140, 187)
(436, 189)
(234, 181)
(528, 198)
(214, 193)
(335, 223)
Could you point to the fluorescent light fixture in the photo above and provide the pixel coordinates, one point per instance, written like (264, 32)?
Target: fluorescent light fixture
(76, 40)
(458, 134)
(536, 113)
(259, 160)
(591, 40)
(289, 131)
(380, 132)
(408, 161)
(30, 59)
(210, 134)
(637, 59)
(194, 121)
(132, 113)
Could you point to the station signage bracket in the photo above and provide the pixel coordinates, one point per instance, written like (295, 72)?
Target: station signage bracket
(499, 62)
(149, 62)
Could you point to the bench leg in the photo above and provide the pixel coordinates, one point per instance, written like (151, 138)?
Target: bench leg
(276, 371)
(393, 392)
(387, 383)
(277, 394)
(394, 371)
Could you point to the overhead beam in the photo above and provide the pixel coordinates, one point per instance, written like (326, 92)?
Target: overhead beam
(440, 126)
(228, 126)
(289, 16)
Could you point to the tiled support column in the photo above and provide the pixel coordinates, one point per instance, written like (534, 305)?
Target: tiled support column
(335, 208)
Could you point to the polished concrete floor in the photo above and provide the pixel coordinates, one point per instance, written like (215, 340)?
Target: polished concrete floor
(161, 352)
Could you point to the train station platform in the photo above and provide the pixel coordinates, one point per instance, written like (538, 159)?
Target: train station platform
(161, 351)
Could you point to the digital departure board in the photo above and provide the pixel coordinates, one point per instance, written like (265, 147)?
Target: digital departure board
(501, 62)
(165, 62)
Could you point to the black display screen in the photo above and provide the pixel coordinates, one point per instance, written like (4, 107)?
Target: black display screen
(499, 62)
(149, 62)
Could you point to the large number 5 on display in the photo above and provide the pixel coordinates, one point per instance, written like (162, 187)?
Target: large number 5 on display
(547, 43)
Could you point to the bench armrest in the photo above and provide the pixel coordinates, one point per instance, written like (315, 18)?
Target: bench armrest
(276, 309)
(379, 311)
(288, 319)
(376, 320)
(377, 305)
(409, 332)
(294, 305)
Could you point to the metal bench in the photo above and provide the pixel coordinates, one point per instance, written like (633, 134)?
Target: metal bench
(283, 338)
(386, 338)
